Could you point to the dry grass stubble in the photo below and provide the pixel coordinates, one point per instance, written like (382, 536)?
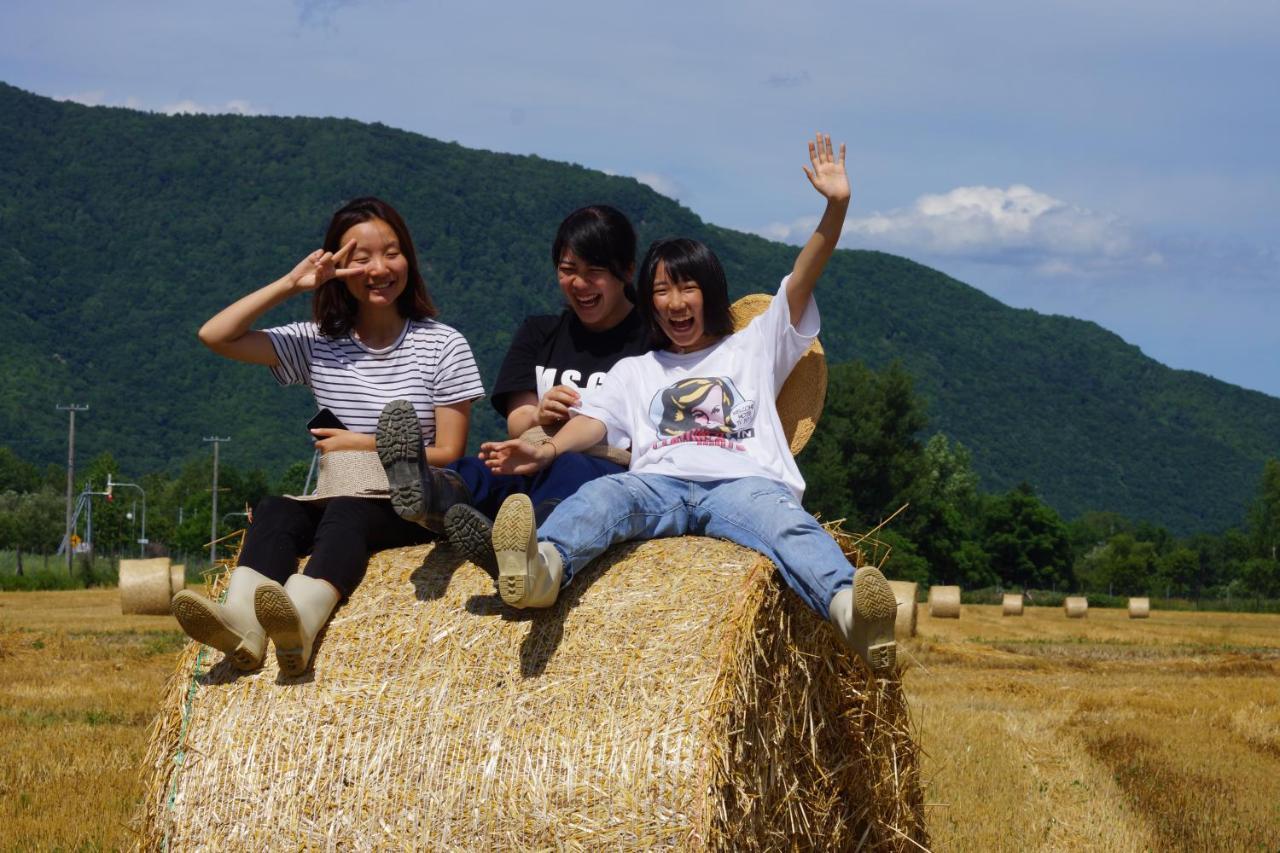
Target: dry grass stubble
(78, 687)
(1046, 733)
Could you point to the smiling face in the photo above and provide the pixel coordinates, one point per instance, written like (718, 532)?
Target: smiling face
(595, 294)
(385, 268)
(677, 308)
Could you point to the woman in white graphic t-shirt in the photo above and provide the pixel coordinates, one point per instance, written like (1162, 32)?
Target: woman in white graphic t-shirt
(709, 455)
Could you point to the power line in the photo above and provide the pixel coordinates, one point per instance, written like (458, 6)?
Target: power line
(213, 521)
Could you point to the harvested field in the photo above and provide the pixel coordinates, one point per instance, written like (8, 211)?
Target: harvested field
(1039, 733)
(79, 684)
(1099, 734)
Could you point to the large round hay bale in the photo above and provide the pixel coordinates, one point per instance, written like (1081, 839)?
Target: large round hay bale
(683, 698)
(904, 625)
(1139, 608)
(1011, 604)
(1076, 606)
(144, 586)
(944, 602)
(177, 578)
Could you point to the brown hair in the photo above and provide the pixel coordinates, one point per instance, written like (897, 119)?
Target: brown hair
(334, 308)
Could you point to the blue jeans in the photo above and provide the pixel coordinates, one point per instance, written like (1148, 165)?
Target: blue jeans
(754, 512)
(556, 482)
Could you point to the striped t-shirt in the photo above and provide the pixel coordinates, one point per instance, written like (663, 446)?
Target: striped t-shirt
(429, 365)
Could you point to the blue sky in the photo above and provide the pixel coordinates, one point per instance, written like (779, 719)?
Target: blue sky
(1118, 162)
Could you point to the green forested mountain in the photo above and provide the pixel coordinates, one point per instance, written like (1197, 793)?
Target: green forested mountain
(121, 231)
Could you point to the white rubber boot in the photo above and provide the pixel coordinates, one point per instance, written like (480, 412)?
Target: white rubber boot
(230, 627)
(529, 573)
(864, 615)
(293, 615)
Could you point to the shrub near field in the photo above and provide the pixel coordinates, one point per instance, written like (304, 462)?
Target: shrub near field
(1099, 734)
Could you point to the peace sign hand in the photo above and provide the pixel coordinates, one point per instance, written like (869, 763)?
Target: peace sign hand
(321, 266)
(827, 175)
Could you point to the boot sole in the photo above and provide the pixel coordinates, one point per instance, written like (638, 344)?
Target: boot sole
(204, 625)
(399, 442)
(471, 535)
(279, 618)
(874, 610)
(514, 547)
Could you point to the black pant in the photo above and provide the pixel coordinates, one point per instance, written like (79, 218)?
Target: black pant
(339, 534)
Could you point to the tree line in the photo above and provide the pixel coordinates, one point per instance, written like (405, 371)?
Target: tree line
(868, 458)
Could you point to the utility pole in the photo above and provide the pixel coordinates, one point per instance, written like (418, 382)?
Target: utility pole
(213, 520)
(71, 408)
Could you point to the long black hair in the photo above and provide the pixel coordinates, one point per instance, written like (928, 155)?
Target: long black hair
(686, 260)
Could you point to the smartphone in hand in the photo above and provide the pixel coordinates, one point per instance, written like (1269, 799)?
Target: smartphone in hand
(324, 419)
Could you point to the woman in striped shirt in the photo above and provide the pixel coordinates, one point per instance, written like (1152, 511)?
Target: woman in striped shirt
(372, 340)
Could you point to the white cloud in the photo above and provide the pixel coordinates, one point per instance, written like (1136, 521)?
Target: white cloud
(235, 106)
(186, 106)
(1016, 225)
(660, 183)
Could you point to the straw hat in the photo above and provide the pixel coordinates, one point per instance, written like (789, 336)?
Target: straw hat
(803, 394)
(349, 473)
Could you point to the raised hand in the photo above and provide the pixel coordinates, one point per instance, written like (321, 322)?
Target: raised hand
(827, 173)
(321, 266)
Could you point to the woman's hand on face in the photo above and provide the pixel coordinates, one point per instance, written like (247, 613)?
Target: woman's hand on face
(553, 408)
(321, 266)
(827, 173)
(329, 440)
(516, 456)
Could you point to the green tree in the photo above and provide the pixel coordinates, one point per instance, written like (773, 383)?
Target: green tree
(943, 517)
(865, 457)
(1264, 516)
(1122, 566)
(1026, 540)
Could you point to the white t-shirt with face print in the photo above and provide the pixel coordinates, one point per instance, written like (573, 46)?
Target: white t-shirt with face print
(711, 414)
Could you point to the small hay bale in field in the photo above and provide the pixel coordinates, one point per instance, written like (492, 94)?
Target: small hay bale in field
(1011, 604)
(1139, 608)
(177, 578)
(144, 586)
(904, 625)
(944, 602)
(683, 698)
(1076, 606)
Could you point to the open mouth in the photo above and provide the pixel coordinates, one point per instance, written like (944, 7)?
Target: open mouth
(682, 326)
(382, 285)
(586, 303)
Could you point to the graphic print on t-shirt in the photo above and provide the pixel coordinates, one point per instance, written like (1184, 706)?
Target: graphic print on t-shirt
(703, 410)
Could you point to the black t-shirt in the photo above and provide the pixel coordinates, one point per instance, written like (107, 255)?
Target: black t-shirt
(556, 349)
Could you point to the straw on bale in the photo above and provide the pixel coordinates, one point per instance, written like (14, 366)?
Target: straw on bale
(1076, 606)
(905, 624)
(145, 586)
(944, 602)
(1011, 604)
(177, 578)
(682, 698)
(1139, 608)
